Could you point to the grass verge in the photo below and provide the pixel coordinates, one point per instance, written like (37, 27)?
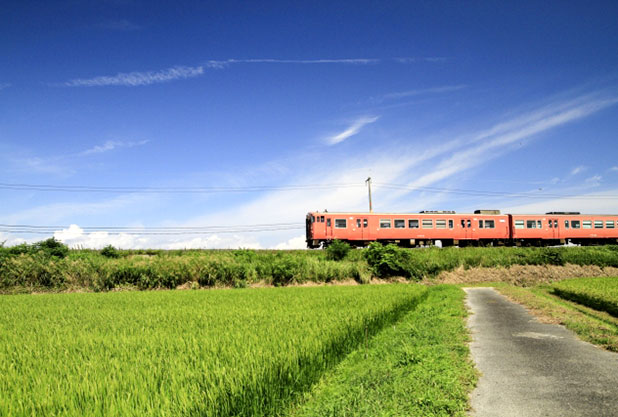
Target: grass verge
(593, 326)
(419, 366)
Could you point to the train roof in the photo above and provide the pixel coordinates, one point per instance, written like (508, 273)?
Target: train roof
(434, 213)
(426, 213)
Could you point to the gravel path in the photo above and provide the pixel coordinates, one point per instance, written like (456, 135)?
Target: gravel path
(534, 369)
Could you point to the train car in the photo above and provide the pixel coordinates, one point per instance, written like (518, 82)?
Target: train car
(424, 228)
(556, 228)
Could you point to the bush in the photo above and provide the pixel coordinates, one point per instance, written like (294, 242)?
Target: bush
(389, 261)
(52, 247)
(337, 250)
(110, 252)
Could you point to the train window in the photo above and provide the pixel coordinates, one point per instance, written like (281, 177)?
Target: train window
(321, 219)
(519, 224)
(539, 224)
(385, 223)
(341, 223)
(427, 224)
(490, 224)
(463, 224)
(400, 224)
(358, 223)
(530, 224)
(468, 223)
(413, 224)
(549, 223)
(327, 222)
(598, 224)
(364, 222)
(566, 224)
(586, 224)
(555, 224)
(450, 224)
(575, 224)
(609, 224)
(480, 224)
(440, 224)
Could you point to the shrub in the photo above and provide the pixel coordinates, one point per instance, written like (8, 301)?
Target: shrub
(337, 250)
(110, 252)
(52, 247)
(388, 261)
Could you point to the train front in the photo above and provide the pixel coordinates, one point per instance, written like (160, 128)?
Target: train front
(312, 242)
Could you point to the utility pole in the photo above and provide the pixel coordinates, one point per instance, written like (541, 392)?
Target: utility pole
(368, 182)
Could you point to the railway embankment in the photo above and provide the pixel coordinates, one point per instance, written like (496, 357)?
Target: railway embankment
(50, 266)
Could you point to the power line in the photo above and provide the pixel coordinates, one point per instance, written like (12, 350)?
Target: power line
(482, 193)
(169, 190)
(291, 187)
(159, 231)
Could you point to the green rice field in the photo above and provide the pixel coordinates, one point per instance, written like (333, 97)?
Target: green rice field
(598, 293)
(245, 352)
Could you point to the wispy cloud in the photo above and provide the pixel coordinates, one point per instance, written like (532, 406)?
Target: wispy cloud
(110, 145)
(614, 169)
(43, 166)
(226, 62)
(419, 92)
(594, 181)
(134, 79)
(352, 130)
(4, 85)
(138, 78)
(410, 60)
(578, 169)
(499, 139)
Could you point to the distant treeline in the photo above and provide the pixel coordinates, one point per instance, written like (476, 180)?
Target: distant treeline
(50, 265)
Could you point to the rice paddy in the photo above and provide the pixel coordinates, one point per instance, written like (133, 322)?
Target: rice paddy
(193, 353)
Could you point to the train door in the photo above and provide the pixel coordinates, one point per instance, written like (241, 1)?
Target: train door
(365, 228)
(329, 228)
(466, 228)
(554, 228)
(356, 229)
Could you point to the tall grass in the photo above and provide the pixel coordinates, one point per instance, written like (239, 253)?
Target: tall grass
(29, 270)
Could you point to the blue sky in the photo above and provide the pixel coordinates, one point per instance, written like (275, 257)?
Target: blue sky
(516, 104)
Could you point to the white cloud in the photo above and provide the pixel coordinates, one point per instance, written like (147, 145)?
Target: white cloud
(111, 145)
(75, 237)
(133, 79)
(578, 169)
(226, 62)
(43, 166)
(352, 130)
(137, 78)
(297, 242)
(4, 85)
(497, 140)
(614, 169)
(409, 60)
(594, 181)
(412, 93)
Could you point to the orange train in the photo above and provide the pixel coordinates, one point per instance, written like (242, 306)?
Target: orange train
(482, 228)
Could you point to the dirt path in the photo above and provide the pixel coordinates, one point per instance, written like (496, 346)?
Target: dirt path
(534, 369)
